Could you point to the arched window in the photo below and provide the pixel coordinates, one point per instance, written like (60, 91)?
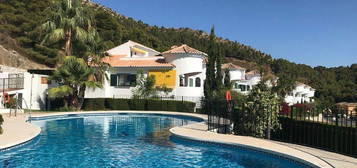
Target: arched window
(198, 82)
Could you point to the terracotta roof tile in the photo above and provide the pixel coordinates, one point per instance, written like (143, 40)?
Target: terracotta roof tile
(231, 66)
(118, 61)
(183, 49)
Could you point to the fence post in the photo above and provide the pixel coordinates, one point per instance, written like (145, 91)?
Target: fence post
(336, 116)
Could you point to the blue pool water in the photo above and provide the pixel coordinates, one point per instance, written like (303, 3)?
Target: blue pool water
(127, 140)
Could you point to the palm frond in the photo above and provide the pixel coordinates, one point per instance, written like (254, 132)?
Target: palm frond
(60, 92)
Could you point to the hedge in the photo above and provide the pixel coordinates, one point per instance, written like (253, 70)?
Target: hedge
(94, 104)
(117, 104)
(97, 104)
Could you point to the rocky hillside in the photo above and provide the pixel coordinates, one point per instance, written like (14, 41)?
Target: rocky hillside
(10, 57)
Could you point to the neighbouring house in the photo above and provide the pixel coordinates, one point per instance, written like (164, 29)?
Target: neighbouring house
(29, 88)
(302, 93)
(351, 108)
(242, 81)
(181, 69)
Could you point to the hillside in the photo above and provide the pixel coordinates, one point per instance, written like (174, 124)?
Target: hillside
(19, 20)
(10, 57)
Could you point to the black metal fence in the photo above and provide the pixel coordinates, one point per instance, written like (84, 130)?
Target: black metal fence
(196, 100)
(332, 129)
(219, 115)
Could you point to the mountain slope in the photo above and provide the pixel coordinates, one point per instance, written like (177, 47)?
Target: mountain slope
(19, 20)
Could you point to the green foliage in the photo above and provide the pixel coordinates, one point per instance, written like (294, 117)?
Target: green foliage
(1, 121)
(60, 92)
(94, 104)
(227, 79)
(72, 77)
(117, 104)
(70, 22)
(213, 82)
(259, 114)
(144, 86)
(332, 84)
(11, 103)
(285, 85)
(138, 104)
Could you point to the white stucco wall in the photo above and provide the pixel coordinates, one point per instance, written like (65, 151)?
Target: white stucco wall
(301, 93)
(237, 74)
(125, 49)
(33, 92)
(191, 66)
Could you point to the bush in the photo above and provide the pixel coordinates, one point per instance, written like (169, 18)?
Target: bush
(117, 104)
(137, 104)
(1, 121)
(154, 105)
(56, 104)
(171, 105)
(185, 106)
(94, 104)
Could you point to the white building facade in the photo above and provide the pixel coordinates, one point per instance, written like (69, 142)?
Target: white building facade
(29, 89)
(301, 94)
(181, 69)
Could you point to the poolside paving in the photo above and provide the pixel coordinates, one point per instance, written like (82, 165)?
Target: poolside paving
(17, 131)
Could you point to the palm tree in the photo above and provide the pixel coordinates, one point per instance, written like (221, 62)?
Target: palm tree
(70, 22)
(72, 77)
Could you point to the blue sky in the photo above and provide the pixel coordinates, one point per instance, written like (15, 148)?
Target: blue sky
(313, 32)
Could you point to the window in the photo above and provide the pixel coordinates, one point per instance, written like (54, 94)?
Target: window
(182, 81)
(113, 80)
(191, 82)
(248, 87)
(122, 80)
(198, 82)
(242, 87)
(236, 86)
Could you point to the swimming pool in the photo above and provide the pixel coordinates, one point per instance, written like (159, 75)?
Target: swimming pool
(128, 140)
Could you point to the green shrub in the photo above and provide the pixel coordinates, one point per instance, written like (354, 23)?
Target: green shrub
(56, 104)
(137, 104)
(185, 106)
(1, 121)
(94, 104)
(117, 104)
(154, 105)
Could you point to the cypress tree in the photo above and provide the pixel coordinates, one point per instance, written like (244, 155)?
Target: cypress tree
(214, 77)
(210, 71)
(219, 77)
(227, 80)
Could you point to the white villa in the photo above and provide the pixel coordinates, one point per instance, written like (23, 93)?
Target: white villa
(242, 81)
(182, 69)
(301, 94)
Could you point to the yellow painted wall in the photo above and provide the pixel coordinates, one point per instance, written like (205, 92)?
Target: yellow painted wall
(164, 78)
